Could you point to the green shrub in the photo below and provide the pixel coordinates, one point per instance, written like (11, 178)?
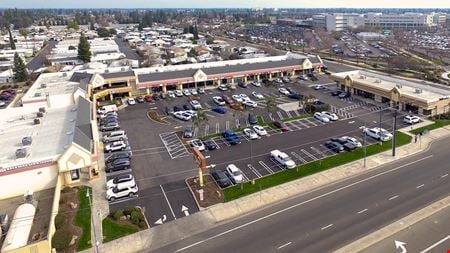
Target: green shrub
(127, 210)
(60, 220)
(142, 224)
(61, 240)
(117, 214)
(63, 200)
(135, 217)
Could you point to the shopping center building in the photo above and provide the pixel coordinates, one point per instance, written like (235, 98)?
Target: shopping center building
(414, 97)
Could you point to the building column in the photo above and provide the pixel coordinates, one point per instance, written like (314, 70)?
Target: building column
(270, 76)
(180, 86)
(109, 84)
(164, 88)
(245, 79)
(111, 97)
(293, 73)
(258, 77)
(420, 111)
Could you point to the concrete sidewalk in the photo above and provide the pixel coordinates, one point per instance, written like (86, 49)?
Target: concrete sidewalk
(173, 231)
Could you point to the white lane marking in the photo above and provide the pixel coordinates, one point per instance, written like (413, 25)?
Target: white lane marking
(206, 130)
(446, 175)
(300, 204)
(393, 197)
(436, 244)
(284, 245)
(217, 128)
(363, 211)
(298, 157)
(168, 203)
(420, 186)
(308, 154)
(227, 124)
(265, 166)
(257, 173)
(327, 226)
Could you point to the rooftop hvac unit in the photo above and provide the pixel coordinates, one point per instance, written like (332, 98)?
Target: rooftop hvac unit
(64, 74)
(42, 109)
(43, 85)
(28, 197)
(377, 81)
(37, 94)
(21, 152)
(399, 85)
(418, 90)
(106, 70)
(122, 69)
(39, 114)
(26, 140)
(36, 122)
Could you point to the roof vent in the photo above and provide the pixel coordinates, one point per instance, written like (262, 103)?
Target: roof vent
(39, 114)
(377, 81)
(418, 90)
(37, 94)
(43, 85)
(122, 69)
(106, 70)
(42, 109)
(64, 74)
(36, 121)
(362, 77)
(26, 140)
(399, 85)
(21, 152)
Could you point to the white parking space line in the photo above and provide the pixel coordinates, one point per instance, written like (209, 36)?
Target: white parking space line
(435, 244)
(238, 125)
(363, 211)
(280, 115)
(314, 123)
(277, 164)
(254, 170)
(168, 203)
(302, 123)
(206, 130)
(296, 113)
(227, 124)
(393, 197)
(292, 125)
(308, 154)
(327, 226)
(420, 186)
(288, 114)
(245, 177)
(121, 200)
(284, 245)
(445, 175)
(195, 131)
(173, 145)
(217, 128)
(271, 117)
(265, 166)
(318, 152)
(298, 157)
(327, 150)
(218, 146)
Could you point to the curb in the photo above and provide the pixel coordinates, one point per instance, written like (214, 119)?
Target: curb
(395, 227)
(193, 194)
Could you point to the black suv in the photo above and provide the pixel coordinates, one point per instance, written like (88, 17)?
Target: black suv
(118, 164)
(118, 155)
(252, 119)
(221, 178)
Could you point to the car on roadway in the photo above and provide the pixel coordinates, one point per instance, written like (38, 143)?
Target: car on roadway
(334, 146)
(178, 93)
(250, 103)
(282, 158)
(108, 114)
(237, 98)
(210, 144)
(115, 146)
(131, 101)
(196, 105)
(198, 144)
(148, 99)
(119, 135)
(411, 119)
(219, 110)
(234, 173)
(231, 137)
(378, 133)
(331, 116)
(303, 78)
(295, 96)
(188, 132)
(223, 87)
(188, 107)
(281, 125)
(156, 97)
(169, 110)
(182, 115)
(186, 92)
(120, 192)
(163, 95)
(121, 181)
(227, 99)
(278, 80)
(352, 140)
(283, 91)
(321, 117)
(250, 133)
(218, 100)
(257, 95)
(221, 178)
(140, 99)
(259, 130)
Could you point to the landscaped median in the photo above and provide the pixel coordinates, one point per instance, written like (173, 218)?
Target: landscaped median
(437, 124)
(123, 222)
(284, 176)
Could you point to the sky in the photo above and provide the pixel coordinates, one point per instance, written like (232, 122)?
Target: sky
(224, 4)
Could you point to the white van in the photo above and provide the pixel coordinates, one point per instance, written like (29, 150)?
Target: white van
(118, 135)
(107, 108)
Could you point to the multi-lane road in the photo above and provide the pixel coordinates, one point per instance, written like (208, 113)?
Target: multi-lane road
(328, 218)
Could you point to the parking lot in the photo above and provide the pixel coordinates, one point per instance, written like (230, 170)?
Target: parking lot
(162, 161)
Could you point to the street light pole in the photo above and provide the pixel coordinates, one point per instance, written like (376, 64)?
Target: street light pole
(364, 147)
(92, 221)
(394, 128)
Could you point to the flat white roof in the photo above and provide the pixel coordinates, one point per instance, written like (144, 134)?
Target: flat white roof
(409, 88)
(49, 138)
(52, 84)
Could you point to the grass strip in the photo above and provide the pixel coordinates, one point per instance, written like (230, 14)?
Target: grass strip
(437, 124)
(113, 230)
(83, 219)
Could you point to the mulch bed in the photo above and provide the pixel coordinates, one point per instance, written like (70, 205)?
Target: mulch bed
(212, 193)
(153, 115)
(70, 195)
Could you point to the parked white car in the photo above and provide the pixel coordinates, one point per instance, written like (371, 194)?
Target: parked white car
(194, 92)
(121, 181)
(319, 87)
(352, 140)
(237, 98)
(282, 158)
(257, 95)
(196, 143)
(411, 119)
(196, 104)
(120, 192)
(244, 97)
(256, 84)
(250, 133)
(178, 93)
(171, 94)
(250, 103)
(234, 173)
(259, 130)
(115, 146)
(331, 116)
(218, 100)
(321, 117)
(183, 115)
(378, 133)
(223, 87)
(283, 91)
(186, 92)
(131, 101)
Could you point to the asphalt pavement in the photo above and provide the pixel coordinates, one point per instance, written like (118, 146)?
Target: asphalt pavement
(328, 218)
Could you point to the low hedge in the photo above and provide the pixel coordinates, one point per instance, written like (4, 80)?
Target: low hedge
(437, 124)
(61, 240)
(304, 170)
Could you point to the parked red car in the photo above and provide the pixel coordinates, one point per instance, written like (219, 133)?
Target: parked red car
(148, 99)
(281, 125)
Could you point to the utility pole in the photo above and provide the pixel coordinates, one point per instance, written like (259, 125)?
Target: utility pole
(394, 128)
(364, 146)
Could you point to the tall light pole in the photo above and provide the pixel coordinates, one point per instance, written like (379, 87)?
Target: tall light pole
(394, 128)
(92, 221)
(364, 145)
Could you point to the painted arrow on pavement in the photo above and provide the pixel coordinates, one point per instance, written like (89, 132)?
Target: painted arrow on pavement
(185, 210)
(401, 245)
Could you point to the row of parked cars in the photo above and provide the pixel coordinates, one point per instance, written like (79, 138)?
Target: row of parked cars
(118, 156)
(6, 96)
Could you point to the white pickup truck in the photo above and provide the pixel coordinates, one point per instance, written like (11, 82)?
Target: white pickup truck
(282, 158)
